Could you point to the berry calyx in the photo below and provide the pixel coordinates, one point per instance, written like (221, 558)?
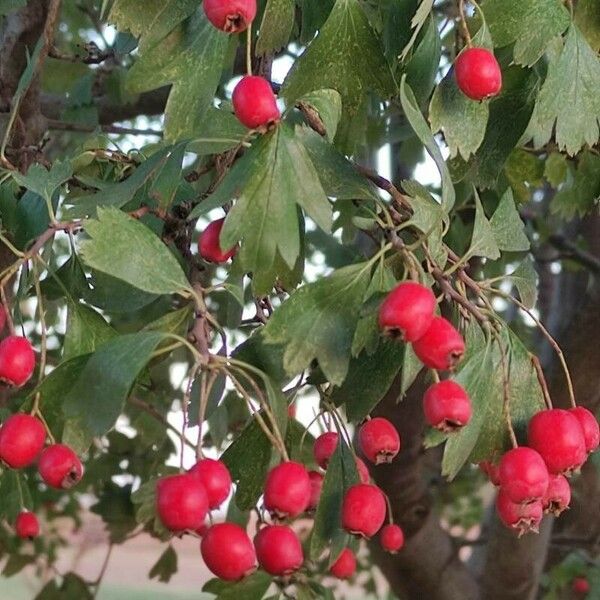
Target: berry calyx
(287, 490)
(22, 438)
(210, 246)
(478, 74)
(580, 586)
(447, 406)
(27, 525)
(181, 502)
(379, 440)
(17, 360)
(216, 480)
(590, 427)
(557, 435)
(441, 347)
(231, 16)
(491, 470)
(363, 510)
(523, 518)
(60, 467)
(228, 551)
(254, 103)
(523, 475)
(392, 538)
(278, 550)
(558, 495)
(345, 566)
(324, 447)
(316, 485)
(407, 311)
(363, 471)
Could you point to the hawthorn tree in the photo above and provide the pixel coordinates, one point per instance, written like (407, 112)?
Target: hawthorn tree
(202, 185)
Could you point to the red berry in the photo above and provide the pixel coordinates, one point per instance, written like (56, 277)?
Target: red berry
(557, 435)
(316, 485)
(447, 406)
(363, 510)
(441, 347)
(209, 245)
(201, 531)
(228, 551)
(254, 103)
(379, 440)
(589, 425)
(521, 517)
(324, 448)
(215, 478)
(580, 585)
(27, 525)
(231, 16)
(363, 471)
(22, 438)
(523, 475)
(60, 467)
(345, 566)
(558, 495)
(17, 360)
(181, 502)
(478, 74)
(407, 311)
(278, 550)
(287, 490)
(491, 470)
(392, 538)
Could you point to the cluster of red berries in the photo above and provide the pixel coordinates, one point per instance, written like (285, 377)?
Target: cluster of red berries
(478, 73)
(408, 313)
(533, 478)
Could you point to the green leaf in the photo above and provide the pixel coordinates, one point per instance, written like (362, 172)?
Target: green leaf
(220, 131)
(524, 170)
(568, 102)
(276, 26)
(168, 179)
(98, 395)
(42, 182)
(340, 476)
(318, 322)
(122, 247)
(328, 106)
(253, 587)
(507, 226)
(461, 120)
(525, 279)
(418, 21)
(556, 169)
(411, 367)
(345, 56)
(483, 242)
(420, 127)
(14, 495)
(428, 214)
(266, 357)
(8, 6)
(248, 460)
(165, 567)
(587, 18)
(530, 25)
(86, 329)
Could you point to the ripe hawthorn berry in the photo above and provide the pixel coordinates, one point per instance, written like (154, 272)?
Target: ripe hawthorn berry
(345, 565)
(181, 502)
(589, 425)
(523, 475)
(478, 74)
(231, 16)
(22, 438)
(316, 485)
(324, 447)
(447, 406)
(392, 538)
(363, 471)
(278, 550)
(60, 467)
(27, 525)
(491, 470)
(216, 479)
(523, 518)
(407, 311)
(228, 551)
(17, 360)
(287, 490)
(441, 347)
(254, 103)
(557, 435)
(210, 246)
(580, 586)
(558, 495)
(379, 440)
(363, 510)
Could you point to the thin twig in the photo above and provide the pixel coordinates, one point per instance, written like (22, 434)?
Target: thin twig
(541, 379)
(506, 394)
(385, 185)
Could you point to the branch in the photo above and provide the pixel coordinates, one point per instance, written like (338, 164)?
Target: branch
(63, 126)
